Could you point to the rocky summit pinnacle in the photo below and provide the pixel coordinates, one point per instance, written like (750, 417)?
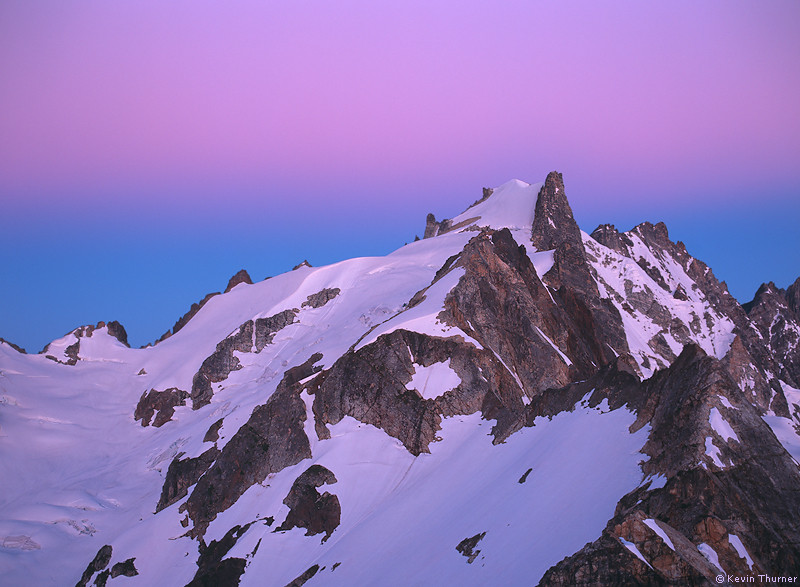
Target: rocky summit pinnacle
(241, 276)
(553, 223)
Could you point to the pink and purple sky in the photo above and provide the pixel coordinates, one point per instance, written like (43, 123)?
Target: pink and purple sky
(150, 149)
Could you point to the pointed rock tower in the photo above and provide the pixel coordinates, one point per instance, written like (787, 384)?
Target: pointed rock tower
(553, 223)
(570, 278)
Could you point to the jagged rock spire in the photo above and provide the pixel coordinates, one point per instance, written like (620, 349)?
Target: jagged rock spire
(553, 222)
(793, 296)
(242, 276)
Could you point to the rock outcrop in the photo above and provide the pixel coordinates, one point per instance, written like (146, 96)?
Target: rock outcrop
(779, 326)
(241, 276)
(309, 509)
(272, 439)
(252, 336)
(728, 502)
(370, 385)
(99, 562)
(570, 278)
(322, 297)
(162, 404)
(19, 349)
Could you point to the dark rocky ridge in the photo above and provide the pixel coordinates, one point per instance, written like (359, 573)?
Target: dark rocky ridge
(793, 296)
(19, 349)
(270, 440)
(370, 386)
(182, 474)
(779, 326)
(766, 391)
(212, 568)
(184, 320)
(755, 496)
(241, 276)
(322, 297)
(100, 562)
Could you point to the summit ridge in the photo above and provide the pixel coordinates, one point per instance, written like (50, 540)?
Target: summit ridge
(508, 400)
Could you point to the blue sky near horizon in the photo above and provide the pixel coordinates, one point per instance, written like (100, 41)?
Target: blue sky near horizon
(147, 152)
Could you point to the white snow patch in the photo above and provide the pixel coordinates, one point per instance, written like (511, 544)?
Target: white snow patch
(726, 403)
(710, 554)
(736, 542)
(653, 525)
(785, 429)
(721, 425)
(435, 380)
(656, 482)
(555, 348)
(713, 452)
(543, 261)
(632, 547)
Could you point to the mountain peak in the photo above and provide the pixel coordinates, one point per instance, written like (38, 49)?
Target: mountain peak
(553, 222)
(241, 276)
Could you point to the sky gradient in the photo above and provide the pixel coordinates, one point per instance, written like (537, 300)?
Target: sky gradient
(149, 150)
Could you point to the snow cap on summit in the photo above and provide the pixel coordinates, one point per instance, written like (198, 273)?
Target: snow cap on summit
(553, 223)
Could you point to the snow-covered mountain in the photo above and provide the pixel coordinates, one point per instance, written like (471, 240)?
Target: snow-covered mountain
(508, 401)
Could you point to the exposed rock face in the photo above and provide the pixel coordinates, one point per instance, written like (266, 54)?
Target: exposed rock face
(116, 330)
(182, 474)
(19, 349)
(252, 336)
(212, 434)
(302, 579)
(434, 228)
(163, 402)
(793, 296)
(212, 569)
(319, 299)
(370, 385)
(241, 276)
(740, 365)
(547, 340)
(650, 247)
(727, 478)
(217, 366)
(272, 439)
(468, 545)
(608, 235)
(71, 352)
(305, 263)
(554, 228)
(553, 222)
(779, 326)
(100, 562)
(126, 568)
(309, 509)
